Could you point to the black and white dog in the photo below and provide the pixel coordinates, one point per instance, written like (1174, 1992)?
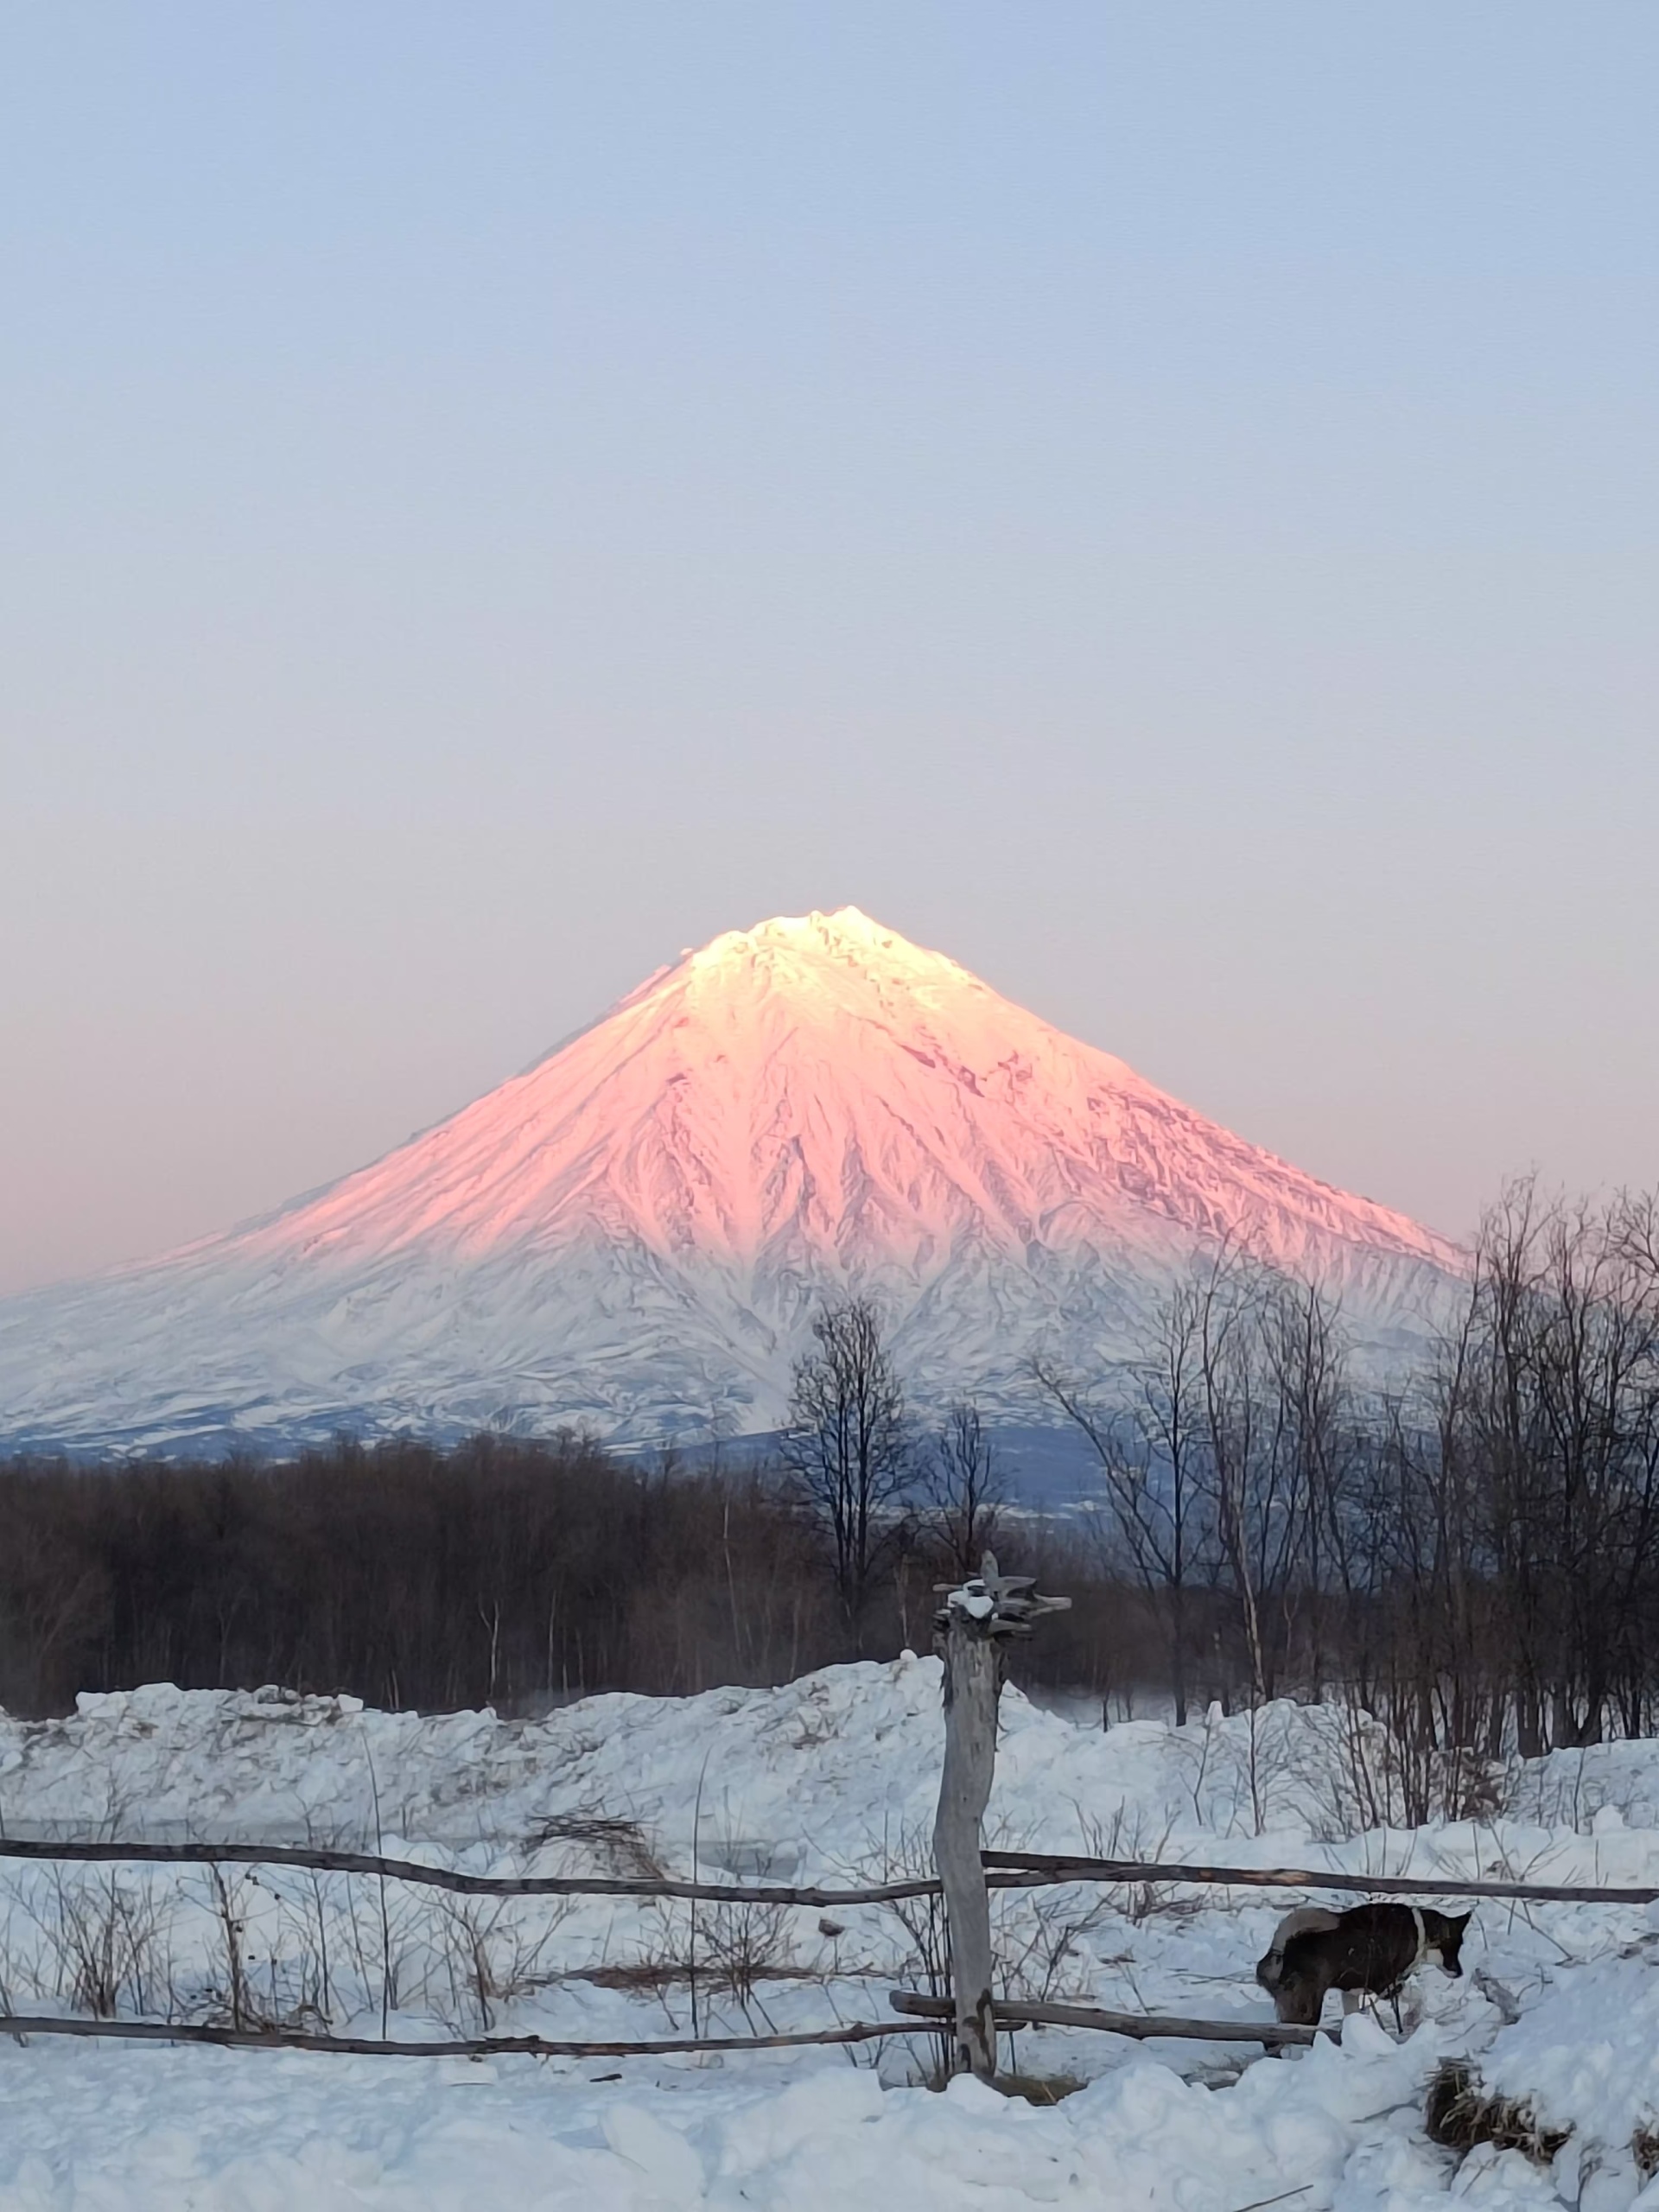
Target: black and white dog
(1369, 1952)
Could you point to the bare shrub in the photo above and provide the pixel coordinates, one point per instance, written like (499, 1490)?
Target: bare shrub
(744, 1944)
(1050, 1966)
(231, 1996)
(709, 1950)
(617, 1844)
(109, 1940)
(388, 1946)
(490, 1956)
(909, 1857)
(1129, 1834)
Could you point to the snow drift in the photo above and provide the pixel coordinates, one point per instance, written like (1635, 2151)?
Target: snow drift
(634, 1233)
(831, 1776)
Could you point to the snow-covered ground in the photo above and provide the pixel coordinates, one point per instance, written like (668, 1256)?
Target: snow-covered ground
(828, 1779)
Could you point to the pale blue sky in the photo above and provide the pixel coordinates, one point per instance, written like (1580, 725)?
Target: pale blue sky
(1158, 501)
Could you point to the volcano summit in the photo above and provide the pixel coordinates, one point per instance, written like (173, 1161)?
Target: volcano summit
(635, 1233)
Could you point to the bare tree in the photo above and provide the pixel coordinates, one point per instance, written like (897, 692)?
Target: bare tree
(1228, 1448)
(1317, 1437)
(1503, 1581)
(963, 1487)
(1563, 1421)
(848, 1448)
(1148, 1451)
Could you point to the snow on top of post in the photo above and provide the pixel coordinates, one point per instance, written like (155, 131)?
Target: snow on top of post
(1001, 1604)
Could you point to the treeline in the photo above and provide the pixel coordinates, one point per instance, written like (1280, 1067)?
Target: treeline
(506, 1572)
(1474, 1560)
(516, 1574)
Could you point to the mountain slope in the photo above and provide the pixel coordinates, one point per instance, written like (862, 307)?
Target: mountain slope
(635, 1231)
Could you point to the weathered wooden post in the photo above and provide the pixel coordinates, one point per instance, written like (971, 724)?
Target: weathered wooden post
(972, 1632)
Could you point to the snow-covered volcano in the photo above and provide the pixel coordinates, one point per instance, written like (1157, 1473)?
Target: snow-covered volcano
(635, 1232)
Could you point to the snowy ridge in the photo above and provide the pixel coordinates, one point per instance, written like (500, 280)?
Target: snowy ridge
(634, 1232)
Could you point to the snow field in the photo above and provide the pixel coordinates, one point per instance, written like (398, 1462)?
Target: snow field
(828, 1779)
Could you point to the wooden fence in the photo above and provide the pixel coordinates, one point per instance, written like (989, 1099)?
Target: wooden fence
(1004, 1870)
(972, 1629)
(922, 2014)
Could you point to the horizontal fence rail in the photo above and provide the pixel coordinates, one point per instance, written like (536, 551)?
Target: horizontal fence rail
(308, 1859)
(1012, 2013)
(1038, 1870)
(21, 2025)
(1005, 1870)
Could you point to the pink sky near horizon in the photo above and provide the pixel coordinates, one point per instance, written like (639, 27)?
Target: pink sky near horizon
(1156, 505)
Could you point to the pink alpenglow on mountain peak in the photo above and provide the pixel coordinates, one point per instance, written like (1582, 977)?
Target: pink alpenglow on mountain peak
(636, 1232)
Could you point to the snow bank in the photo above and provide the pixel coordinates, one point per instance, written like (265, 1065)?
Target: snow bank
(1585, 2056)
(149, 2132)
(830, 1777)
(812, 1775)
